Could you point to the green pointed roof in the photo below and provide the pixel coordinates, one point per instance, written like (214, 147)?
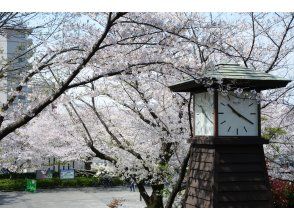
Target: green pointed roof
(235, 75)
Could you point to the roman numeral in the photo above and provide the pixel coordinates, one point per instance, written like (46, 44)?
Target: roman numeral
(223, 122)
(252, 113)
(245, 129)
(251, 104)
(237, 131)
(223, 104)
(229, 128)
(220, 113)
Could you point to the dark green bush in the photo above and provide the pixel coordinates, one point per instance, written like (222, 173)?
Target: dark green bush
(12, 184)
(23, 175)
(116, 181)
(18, 176)
(19, 184)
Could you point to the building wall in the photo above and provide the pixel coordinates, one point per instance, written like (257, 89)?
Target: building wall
(3, 48)
(13, 44)
(3, 91)
(3, 57)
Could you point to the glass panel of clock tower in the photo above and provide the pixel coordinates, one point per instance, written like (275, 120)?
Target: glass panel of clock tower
(204, 114)
(237, 115)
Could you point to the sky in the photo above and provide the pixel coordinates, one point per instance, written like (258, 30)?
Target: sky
(148, 6)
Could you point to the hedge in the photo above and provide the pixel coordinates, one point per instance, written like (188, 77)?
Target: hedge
(33, 175)
(19, 184)
(283, 193)
(18, 176)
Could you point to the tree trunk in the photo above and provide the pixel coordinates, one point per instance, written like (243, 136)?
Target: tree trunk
(143, 192)
(177, 186)
(156, 198)
(88, 163)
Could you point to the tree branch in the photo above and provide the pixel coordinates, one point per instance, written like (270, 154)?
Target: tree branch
(36, 110)
(177, 186)
(90, 142)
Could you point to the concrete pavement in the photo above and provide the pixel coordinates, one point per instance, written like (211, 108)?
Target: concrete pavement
(71, 198)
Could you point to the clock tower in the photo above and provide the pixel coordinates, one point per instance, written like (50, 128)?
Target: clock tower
(227, 164)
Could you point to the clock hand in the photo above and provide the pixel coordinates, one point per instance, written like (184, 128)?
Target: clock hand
(205, 113)
(241, 116)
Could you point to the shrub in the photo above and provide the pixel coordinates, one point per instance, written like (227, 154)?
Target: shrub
(20, 183)
(116, 181)
(283, 193)
(18, 176)
(23, 175)
(12, 184)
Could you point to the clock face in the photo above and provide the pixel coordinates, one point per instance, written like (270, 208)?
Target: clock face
(237, 116)
(204, 114)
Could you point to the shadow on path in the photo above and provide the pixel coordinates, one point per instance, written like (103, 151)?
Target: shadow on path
(11, 198)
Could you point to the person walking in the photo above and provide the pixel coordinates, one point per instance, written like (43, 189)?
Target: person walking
(132, 186)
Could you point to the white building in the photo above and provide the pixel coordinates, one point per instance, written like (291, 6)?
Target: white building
(14, 55)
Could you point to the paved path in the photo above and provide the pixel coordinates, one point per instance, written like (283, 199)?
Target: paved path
(71, 198)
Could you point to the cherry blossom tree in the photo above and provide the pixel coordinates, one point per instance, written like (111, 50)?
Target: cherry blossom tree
(29, 147)
(116, 97)
(46, 61)
(202, 40)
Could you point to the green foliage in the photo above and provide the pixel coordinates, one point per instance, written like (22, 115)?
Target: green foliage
(23, 175)
(272, 133)
(116, 181)
(11, 185)
(283, 193)
(19, 184)
(163, 167)
(291, 199)
(58, 183)
(166, 192)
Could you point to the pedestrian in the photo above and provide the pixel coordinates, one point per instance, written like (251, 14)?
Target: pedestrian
(132, 186)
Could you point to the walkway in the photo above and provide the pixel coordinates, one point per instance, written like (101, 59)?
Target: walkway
(71, 198)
